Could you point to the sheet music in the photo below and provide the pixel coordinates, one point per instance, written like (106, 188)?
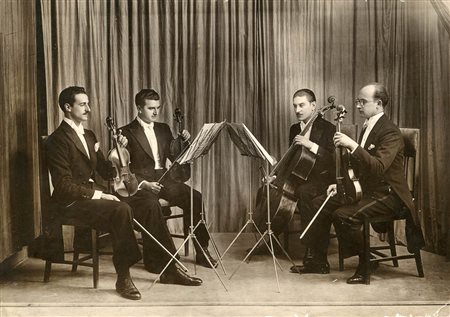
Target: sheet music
(240, 135)
(247, 143)
(267, 156)
(202, 142)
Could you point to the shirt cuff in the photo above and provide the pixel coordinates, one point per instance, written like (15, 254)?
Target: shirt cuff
(314, 148)
(354, 149)
(139, 186)
(97, 194)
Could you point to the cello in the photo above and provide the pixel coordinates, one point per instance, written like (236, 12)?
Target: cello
(347, 184)
(294, 167)
(125, 182)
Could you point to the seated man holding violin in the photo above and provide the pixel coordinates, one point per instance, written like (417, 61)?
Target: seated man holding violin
(378, 161)
(74, 160)
(150, 144)
(314, 135)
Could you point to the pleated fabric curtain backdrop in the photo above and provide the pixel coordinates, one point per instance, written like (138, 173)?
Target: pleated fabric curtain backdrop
(242, 61)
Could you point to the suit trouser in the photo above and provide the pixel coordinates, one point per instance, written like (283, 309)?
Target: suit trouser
(179, 194)
(113, 217)
(347, 220)
(147, 211)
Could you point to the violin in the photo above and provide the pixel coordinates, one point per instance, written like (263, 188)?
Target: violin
(179, 173)
(294, 167)
(347, 184)
(125, 182)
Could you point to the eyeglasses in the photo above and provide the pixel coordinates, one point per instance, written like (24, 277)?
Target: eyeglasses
(362, 102)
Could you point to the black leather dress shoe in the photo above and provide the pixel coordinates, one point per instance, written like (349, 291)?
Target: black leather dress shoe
(180, 278)
(356, 278)
(201, 260)
(312, 268)
(126, 289)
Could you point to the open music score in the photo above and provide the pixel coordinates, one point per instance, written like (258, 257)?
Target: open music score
(247, 143)
(240, 135)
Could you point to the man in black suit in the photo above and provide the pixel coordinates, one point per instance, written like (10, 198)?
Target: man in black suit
(319, 142)
(150, 145)
(378, 161)
(74, 160)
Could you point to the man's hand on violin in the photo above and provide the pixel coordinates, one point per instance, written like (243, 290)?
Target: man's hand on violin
(341, 139)
(185, 135)
(303, 141)
(109, 197)
(154, 187)
(122, 140)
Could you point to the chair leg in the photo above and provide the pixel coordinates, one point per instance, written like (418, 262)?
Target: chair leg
(391, 238)
(341, 257)
(47, 271)
(366, 240)
(76, 255)
(94, 257)
(419, 264)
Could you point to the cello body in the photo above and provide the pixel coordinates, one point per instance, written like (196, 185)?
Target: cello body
(293, 169)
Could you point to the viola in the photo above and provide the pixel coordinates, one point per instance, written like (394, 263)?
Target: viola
(179, 173)
(347, 184)
(125, 182)
(294, 167)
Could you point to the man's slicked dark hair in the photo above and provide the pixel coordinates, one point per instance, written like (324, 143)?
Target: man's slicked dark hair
(67, 95)
(305, 92)
(145, 94)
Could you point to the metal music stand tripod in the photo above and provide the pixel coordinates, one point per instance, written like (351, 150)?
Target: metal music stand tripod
(248, 145)
(199, 147)
(270, 234)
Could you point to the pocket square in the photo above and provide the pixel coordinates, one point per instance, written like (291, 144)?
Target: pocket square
(96, 146)
(371, 147)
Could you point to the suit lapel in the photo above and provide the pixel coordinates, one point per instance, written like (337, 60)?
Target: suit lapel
(74, 137)
(138, 131)
(316, 131)
(374, 132)
(90, 141)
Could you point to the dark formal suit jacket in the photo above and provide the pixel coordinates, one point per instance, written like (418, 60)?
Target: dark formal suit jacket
(381, 162)
(142, 160)
(322, 132)
(71, 168)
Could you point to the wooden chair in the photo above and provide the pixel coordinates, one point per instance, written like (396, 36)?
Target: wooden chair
(167, 212)
(411, 138)
(93, 254)
(352, 131)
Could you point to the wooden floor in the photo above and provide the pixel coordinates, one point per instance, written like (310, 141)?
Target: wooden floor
(252, 291)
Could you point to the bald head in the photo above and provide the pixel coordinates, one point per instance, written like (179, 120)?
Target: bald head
(377, 91)
(372, 99)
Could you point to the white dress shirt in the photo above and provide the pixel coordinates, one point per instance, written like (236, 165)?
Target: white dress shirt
(151, 138)
(79, 129)
(370, 124)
